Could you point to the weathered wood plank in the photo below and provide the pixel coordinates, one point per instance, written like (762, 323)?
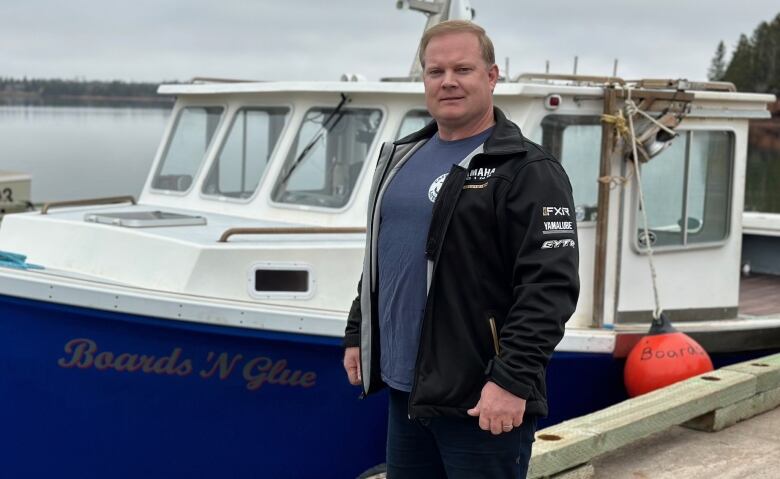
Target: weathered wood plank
(579, 440)
(728, 416)
(766, 370)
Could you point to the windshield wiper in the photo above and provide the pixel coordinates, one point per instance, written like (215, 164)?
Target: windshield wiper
(325, 126)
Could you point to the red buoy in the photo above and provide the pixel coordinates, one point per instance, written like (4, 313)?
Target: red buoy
(663, 357)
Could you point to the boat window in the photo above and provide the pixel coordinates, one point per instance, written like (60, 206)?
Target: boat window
(687, 190)
(327, 156)
(244, 156)
(186, 149)
(413, 121)
(576, 142)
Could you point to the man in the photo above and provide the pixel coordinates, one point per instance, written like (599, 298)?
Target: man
(464, 296)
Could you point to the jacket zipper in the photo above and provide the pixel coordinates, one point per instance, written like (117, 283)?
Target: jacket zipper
(494, 333)
(433, 274)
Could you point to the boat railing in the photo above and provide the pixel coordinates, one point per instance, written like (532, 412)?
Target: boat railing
(286, 231)
(642, 83)
(679, 84)
(600, 80)
(111, 200)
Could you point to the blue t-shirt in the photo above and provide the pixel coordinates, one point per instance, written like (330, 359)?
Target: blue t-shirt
(405, 216)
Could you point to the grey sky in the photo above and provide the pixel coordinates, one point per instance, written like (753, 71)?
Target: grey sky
(156, 40)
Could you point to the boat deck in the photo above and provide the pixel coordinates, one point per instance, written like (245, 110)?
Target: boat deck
(759, 295)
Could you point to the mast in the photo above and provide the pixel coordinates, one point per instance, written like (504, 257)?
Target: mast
(437, 11)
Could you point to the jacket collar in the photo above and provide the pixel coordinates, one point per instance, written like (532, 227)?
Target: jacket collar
(506, 138)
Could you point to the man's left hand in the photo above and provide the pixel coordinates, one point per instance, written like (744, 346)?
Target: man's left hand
(498, 409)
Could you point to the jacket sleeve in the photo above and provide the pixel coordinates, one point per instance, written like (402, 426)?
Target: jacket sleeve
(540, 236)
(352, 331)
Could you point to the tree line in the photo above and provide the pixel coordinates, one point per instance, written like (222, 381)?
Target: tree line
(755, 67)
(755, 61)
(46, 89)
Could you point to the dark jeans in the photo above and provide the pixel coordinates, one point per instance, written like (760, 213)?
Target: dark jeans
(453, 448)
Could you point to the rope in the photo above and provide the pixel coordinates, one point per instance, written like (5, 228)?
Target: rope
(632, 109)
(619, 122)
(621, 130)
(616, 181)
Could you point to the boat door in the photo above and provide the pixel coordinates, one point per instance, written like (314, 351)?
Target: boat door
(693, 196)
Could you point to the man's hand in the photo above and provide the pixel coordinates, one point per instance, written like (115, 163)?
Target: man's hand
(352, 365)
(498, 409)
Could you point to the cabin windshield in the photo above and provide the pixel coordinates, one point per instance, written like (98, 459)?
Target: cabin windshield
(327, 156)
(184, 154)
(244, 156)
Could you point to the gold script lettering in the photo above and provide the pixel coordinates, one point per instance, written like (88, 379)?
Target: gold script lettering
(84, 355)
(81, 351)
(223, 364)
(263, 370)
(104, 361)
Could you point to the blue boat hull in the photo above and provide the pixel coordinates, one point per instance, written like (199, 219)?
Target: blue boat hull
(90, 393)
(283, 410)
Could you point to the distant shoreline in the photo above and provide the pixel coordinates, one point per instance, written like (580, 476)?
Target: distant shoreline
(33, 99)
(57, 92)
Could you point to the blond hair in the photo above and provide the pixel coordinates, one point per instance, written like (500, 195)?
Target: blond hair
(459, 26)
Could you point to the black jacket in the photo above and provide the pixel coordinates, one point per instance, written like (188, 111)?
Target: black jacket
(502, 249)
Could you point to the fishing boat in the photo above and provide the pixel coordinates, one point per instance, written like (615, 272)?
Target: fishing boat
(196, 330)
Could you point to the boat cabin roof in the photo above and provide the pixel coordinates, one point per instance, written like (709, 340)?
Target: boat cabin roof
(529, 89)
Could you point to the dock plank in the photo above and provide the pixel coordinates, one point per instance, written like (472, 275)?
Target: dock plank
(728, 416)
(766, 370)
(577, 441)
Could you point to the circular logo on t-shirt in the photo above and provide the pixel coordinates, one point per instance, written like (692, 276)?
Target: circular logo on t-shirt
(433, 191)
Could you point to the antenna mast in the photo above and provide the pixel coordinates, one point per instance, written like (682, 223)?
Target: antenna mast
(437, 11)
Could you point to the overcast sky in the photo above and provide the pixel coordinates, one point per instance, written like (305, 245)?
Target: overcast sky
(158, 40)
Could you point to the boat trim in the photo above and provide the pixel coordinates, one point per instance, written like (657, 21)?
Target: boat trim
(49, 287)
(687, 315)
(722, 336)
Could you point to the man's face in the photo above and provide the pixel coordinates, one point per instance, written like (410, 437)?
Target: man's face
(458, 83)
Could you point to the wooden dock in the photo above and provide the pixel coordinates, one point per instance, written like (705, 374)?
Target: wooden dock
(581, 448)
(750, 449)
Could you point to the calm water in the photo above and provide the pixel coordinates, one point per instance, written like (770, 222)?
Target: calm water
(80, 152)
